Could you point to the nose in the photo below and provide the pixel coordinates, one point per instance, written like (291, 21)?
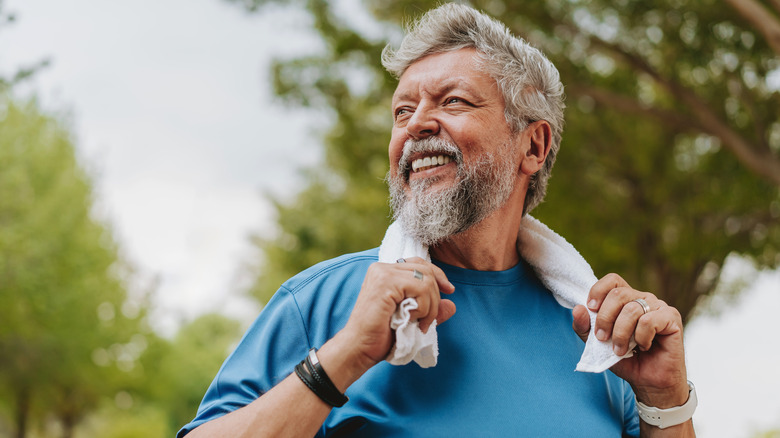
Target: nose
(422, 124)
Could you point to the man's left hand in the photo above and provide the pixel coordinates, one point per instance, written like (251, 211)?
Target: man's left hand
(657, 371)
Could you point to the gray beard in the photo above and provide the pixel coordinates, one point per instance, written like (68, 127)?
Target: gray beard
(432, 216)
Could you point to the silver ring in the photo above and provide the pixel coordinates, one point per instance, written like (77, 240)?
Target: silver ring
(401, 260)
(418, 275)
(643, 303)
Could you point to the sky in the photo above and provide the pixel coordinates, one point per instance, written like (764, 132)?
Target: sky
(172, 112)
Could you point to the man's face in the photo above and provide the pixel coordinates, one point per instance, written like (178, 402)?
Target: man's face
(452, 155)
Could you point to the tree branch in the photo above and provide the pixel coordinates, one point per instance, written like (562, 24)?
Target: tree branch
(759, 125)
(762, 18)
(763, 163)
(627, 104)
(775, 4)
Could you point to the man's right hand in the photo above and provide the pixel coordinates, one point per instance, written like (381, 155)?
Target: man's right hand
(292, 409)
(383, 289)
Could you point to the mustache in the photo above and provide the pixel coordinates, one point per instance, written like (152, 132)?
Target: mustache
(434, 145)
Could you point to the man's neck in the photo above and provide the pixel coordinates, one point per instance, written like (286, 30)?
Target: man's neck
(490, 245)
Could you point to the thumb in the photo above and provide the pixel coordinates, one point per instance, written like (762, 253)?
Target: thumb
(446, 310)
(581, 322)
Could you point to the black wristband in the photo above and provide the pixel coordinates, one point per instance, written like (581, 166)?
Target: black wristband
(314, 377)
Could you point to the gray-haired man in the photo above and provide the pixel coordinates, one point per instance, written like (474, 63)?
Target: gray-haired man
(478, 116)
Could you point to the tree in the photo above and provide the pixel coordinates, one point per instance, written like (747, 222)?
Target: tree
(168, 382)
(67, 329)
(671, 155)
(7, 81)
(178, 371)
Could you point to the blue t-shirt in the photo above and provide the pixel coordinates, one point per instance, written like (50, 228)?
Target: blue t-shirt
(506, 362)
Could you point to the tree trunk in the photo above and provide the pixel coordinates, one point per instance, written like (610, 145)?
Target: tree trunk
(22, 412)
(68, 424)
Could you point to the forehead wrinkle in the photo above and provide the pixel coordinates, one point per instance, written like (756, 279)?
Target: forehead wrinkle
(436, 88)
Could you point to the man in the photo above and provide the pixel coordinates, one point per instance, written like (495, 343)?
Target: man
(478, 116)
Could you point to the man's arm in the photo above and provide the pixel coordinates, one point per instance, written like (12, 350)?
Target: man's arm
(657, 370)
(291, 408)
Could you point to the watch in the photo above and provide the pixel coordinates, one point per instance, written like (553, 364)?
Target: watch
(664, 418)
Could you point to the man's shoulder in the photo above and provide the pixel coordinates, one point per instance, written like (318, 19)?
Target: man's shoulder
(340, 269)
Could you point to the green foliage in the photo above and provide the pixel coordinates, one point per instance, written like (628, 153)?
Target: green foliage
(61, 296)
(76, 355)
(351, 221)
(167, 383)
(136, 421)
(344, 208)
(176, 372)
(670, 158)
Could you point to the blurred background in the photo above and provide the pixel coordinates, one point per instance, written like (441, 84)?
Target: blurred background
(164, 166)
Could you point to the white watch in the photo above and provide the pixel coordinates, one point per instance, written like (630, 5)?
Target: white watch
(664, 418)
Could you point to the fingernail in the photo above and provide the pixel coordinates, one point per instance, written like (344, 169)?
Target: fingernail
(601, 335)
(616, 349)
(592, 304)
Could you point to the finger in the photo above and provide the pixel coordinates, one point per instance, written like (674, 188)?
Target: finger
(581, 322)
(611, 307)
(433, 309)
(625, 326)
(414, 260)
(446, 310)
(662, 322)
(436, 311)
(420, 283)
(602, 287)
(425, 290)
(424, 297)
(441, 280)
(383, 279)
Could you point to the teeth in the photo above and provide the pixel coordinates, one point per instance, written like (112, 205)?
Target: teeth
(424, 163)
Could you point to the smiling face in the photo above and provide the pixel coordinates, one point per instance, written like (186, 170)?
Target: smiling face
(446, 95)
(453, 158)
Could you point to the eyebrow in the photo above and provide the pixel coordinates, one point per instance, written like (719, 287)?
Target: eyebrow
(448, 86)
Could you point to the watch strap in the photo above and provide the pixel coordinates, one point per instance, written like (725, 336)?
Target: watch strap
(664, 418)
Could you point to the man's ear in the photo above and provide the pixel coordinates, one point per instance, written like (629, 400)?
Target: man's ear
(537, 138)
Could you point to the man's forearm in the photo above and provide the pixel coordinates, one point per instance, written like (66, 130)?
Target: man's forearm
(290, 408)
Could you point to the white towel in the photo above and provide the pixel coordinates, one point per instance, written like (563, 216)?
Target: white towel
(556, 262)
(410, 342)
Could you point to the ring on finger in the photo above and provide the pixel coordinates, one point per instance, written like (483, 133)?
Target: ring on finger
(643, 303)
(401, 260)
(418, 275)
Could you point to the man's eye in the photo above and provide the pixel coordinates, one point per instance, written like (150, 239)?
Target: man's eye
(400, 112)
(458, 100)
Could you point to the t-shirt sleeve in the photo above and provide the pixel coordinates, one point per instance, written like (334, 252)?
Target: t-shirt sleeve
(631, 418)
(267, 354)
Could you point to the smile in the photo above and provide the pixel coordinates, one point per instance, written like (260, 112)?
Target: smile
(426, 163)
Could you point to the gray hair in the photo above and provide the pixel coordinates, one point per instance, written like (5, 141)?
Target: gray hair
(530, 83)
